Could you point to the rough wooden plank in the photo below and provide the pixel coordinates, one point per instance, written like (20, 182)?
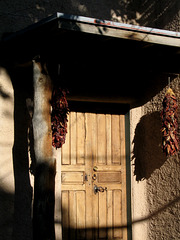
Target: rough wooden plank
(66, 148)
(117, 213)
(72, 214)
(94, 138)
(102, 215)
(80, 138)
(108, 137)
(65, 213)
(81, 219)
(101, 138)
(110, 214)
(95, 214)
(116, 152)
(73, 133)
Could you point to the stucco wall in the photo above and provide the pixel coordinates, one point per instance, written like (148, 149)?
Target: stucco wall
(6, 160)
(138, 189)
(155, 177)
(15, 179)
(163, 180)
(17, 14)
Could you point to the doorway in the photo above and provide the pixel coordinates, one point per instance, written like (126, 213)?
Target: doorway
(93, 177)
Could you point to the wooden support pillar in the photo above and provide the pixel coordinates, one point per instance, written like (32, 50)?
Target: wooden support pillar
(44, 186)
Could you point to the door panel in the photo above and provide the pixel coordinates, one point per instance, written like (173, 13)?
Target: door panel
(109, 177)
(115, 136)
(94, 177)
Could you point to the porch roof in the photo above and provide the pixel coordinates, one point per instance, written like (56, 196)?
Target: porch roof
(122, 54)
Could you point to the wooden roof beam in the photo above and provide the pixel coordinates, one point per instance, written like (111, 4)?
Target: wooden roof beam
(118, 30)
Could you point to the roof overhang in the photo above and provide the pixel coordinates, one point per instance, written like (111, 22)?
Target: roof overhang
(113, 50)
(56, 25)
(119, 30)
(106, 28)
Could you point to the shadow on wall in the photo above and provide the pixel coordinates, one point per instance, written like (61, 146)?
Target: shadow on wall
(6, 210)
(147, 152)
(22, 223)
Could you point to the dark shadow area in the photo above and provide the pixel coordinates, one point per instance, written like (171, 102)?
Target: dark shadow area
(69, 232)
(98, 107)
(6, 216)
(22, 223)
(147, 152)
(43, 207)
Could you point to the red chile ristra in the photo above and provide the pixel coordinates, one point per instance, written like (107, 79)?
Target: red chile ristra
(59, 119)
(170, 124)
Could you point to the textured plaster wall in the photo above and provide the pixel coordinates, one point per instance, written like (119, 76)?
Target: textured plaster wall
(15, 180)
(155, 177)
(6, 160)
(17, 14)
(163, 182)
(138, 189)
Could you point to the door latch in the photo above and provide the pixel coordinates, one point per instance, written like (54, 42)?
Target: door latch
(85, 178)
(99, 189)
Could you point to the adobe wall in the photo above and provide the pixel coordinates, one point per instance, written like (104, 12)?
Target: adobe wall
(6, 159)
(15, 181)
(16, 15)
(155, 177)
(162, 173)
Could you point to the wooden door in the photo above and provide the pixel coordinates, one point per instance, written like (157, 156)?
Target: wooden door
(93, 177)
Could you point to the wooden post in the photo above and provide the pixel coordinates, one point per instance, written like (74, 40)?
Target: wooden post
(44, 186)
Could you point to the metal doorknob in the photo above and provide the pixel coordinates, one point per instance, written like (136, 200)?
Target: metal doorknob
(99, 189)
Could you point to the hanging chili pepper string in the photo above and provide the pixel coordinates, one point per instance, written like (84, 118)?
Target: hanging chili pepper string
(59, 114)
(170, 142)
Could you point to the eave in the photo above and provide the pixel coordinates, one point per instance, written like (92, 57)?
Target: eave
(133, 57)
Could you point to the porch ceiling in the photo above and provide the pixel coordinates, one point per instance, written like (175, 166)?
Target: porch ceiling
(100, 60)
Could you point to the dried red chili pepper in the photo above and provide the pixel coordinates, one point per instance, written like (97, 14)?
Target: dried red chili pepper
(169, 115)
(59, 119)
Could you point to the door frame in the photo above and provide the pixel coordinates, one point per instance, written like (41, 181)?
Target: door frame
(128, 174)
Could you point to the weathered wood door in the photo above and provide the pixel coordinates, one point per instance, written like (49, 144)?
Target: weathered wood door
(94, 177)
